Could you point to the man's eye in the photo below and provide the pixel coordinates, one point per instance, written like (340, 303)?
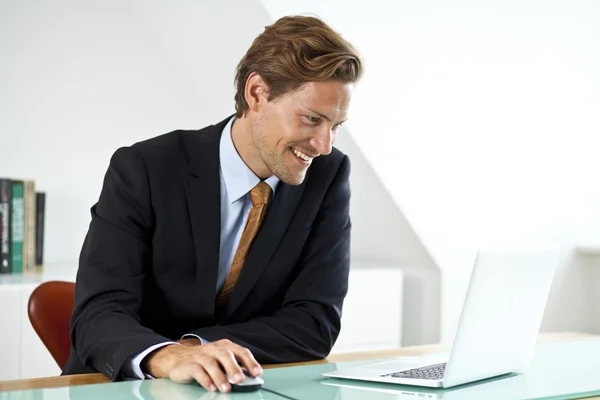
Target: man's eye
(314, 120)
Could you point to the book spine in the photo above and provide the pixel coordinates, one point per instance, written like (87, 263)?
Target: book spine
(17, 223)
(5, 226)
(29, 229)
(40, 212)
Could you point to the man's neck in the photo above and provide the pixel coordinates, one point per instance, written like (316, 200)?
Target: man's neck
(241, 135)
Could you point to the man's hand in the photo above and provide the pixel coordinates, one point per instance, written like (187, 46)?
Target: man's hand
(204, 364)
(189, 342)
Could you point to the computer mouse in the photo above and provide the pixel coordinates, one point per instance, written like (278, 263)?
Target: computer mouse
(249, 384)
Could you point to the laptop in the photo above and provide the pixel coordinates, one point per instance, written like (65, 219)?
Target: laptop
(504, 387)
(497, 330)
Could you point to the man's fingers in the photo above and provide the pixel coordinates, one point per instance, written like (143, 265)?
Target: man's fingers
(228, 362)
(210, 365)
(243, 355)
(188, 373)
(213, 368)
(246, 358)
(200, 375)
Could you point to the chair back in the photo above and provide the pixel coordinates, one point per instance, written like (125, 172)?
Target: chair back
(49, 308)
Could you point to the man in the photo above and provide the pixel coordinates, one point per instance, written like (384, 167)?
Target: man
(229, 246)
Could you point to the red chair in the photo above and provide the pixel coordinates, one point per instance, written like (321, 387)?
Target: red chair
(49, 308)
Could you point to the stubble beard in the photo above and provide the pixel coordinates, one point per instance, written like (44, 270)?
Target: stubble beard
(274, 160)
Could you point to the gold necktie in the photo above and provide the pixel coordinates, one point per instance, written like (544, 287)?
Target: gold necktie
(260, 196)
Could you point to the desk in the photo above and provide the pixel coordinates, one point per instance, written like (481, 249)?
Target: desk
(277, 377)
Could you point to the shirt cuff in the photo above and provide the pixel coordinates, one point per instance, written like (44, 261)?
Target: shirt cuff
(135, 363)
(202, 341)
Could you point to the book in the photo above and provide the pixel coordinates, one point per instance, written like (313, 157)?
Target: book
(17, 223)
(5, 226)
(29, 227)
(40, 208)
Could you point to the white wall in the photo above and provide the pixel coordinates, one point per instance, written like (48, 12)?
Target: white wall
(592, 264)
(572, 297)
(382, 237)
(78, 79)
(475, 118)
(481, 120)
(95, 76)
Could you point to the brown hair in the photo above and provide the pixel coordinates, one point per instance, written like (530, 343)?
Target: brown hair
(293, 51)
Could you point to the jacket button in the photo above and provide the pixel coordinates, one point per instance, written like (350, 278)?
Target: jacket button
(109, 370)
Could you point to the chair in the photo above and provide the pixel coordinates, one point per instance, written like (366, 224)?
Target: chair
(49, 308)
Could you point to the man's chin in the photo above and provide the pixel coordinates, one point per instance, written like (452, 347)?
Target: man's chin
(293, 182)
(293, 179)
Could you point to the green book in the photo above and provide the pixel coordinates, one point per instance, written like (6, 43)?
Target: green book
(17, 226)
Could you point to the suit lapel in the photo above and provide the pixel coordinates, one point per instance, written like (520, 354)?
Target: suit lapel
(265, 243)
(203, 197)
(203, 193)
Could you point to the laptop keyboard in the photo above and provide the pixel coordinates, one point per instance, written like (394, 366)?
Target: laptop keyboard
(433, 372)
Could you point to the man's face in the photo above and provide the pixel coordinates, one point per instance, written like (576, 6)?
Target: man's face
(299, 126)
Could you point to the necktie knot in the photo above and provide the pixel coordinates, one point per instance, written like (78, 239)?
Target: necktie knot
(260, 193)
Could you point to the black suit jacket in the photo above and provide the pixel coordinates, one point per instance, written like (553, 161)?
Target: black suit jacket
(148, 267)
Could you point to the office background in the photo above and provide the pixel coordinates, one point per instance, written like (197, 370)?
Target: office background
(476, 125)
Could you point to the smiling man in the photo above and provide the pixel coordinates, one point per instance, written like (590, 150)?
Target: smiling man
(227, 246)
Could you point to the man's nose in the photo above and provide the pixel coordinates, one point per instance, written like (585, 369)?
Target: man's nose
(323, 141)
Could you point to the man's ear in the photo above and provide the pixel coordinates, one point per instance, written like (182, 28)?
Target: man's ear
(256, 92)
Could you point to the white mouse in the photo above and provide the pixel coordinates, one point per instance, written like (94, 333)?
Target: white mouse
(249, 384)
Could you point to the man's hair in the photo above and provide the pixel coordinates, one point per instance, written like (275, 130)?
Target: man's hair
(293, 51)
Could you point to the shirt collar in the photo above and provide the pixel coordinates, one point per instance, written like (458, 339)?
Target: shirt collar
(239, 179)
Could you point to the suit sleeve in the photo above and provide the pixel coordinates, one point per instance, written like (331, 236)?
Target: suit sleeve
(105, 325)
(308, 322)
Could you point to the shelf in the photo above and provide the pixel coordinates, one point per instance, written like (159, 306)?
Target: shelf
(56, 271)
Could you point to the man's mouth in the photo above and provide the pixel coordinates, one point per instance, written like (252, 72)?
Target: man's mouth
(302, 156)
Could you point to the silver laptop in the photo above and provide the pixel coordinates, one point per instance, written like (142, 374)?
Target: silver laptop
(497, 331)
(503, 387)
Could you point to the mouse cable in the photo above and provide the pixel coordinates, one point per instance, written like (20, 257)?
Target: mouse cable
(277, 393)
